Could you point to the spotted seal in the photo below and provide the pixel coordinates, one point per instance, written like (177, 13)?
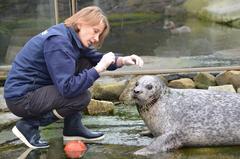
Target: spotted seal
(186, 117)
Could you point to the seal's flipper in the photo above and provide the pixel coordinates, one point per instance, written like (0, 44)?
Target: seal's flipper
(163, 143)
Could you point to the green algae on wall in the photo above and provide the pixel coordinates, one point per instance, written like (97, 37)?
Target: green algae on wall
(195, 6)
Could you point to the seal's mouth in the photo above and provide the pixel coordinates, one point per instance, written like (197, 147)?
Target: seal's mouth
(137, 99)
(135, 96)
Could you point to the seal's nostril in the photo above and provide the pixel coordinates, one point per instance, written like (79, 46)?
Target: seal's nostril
(136, 91)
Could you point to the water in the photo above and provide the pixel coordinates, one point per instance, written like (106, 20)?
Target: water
(207, 45)
(146, 37)
(205, 38)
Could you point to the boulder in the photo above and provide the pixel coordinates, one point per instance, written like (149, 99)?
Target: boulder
(3, 106)
(108, 90)
(224, 88)
(229, 77)
(97, 107)
(203, 80)
(182, 83)
(220, 11)
(7, 119)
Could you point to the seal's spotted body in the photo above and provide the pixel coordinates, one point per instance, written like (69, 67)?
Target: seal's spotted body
(186, 117)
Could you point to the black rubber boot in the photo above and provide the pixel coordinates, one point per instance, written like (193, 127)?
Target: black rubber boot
(27, 131)
(75, 130)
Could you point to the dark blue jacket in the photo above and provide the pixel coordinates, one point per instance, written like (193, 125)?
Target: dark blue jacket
(49, 58)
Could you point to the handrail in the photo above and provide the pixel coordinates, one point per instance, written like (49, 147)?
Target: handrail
(168, 71)
(6, 68)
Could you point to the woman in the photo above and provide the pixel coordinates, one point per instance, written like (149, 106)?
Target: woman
(51, 74)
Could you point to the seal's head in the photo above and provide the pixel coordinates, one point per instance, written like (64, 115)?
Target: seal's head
(147, 91)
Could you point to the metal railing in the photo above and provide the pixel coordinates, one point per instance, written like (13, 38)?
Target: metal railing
(4, 70)
(73, 5)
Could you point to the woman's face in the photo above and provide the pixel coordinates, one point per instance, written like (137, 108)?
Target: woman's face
(89, 35)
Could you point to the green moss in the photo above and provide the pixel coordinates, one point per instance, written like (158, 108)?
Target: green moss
(7, 147)
(127, 112)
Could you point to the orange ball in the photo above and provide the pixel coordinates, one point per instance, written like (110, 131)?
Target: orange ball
(75, 149)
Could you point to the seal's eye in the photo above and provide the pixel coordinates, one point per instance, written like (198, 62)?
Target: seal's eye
(136, 84)
(149, 86)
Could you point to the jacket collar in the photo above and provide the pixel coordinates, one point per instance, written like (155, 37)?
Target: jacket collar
(75, 37)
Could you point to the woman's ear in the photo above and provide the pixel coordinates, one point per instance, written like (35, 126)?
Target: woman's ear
(79, 26)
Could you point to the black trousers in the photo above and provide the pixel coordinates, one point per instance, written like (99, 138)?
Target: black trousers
(47, 98)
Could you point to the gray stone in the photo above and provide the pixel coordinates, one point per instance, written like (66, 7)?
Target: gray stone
(229, 77)
(97, 107)
(221, 11)
(182, 83)
(7, 119)
(108, 90)
(203, 80)
(3, 106)
(224, 88)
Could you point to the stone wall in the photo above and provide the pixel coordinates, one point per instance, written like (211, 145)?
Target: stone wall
(223, 81)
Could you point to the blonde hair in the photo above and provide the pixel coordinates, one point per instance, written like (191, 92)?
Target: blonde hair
(92, 15)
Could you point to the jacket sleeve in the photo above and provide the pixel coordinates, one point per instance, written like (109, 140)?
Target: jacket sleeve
(60, 61)
(96, 56)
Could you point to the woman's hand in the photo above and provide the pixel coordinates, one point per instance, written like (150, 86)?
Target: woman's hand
(130, 60)
(106, 60)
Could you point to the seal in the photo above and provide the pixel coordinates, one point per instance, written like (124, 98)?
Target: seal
(186, 117)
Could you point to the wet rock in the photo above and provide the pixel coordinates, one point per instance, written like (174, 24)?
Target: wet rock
(170, 77)
(7, 119)
(203, 80)
(222, 11)
(182, 83)
(229, 77)
(97, 107)
(224, 88)
(108, 90)
(3, 106)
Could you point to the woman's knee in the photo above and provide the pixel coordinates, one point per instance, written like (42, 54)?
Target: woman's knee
(83, 100)
(86, 96)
